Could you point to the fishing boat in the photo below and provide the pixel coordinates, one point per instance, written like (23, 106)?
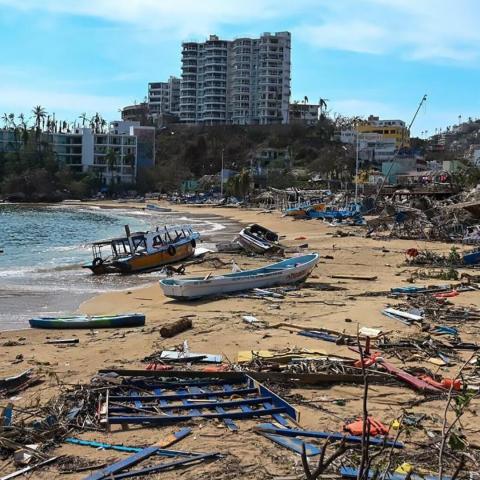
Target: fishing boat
(472, 257)
(258, 239)
(300, 210)
(140, 251)
(87, 321)
(292, 270)
(156, 208)
(335, 213)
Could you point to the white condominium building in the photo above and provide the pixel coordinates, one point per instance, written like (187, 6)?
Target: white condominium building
(244, 81)
(164, 97)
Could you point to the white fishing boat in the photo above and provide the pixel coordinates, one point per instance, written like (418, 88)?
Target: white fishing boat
(292, 270)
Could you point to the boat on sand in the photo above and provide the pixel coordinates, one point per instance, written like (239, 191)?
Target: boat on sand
(258, 239)
(142, 251)
(87, 321)
(292, 270)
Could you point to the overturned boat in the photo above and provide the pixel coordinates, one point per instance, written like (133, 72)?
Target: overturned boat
(292, 270)
(258, 239)
(140, 251)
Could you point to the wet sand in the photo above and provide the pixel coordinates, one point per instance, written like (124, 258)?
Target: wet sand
(218, 328)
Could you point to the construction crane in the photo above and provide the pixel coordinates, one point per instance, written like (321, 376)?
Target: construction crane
(392, 161)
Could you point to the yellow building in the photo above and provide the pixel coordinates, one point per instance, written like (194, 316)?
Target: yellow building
(388, 129)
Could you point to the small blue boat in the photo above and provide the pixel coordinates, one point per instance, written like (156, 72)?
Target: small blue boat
(472, 257)
(338, 214)
(87, 321)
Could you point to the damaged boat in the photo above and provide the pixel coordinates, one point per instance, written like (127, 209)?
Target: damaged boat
(141, 251)
(258, 239)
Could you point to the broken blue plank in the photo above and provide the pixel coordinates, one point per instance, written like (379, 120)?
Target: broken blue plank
(349, 472)
(165, 420)
(292, 443)
(196, 406)
(277, 416)
(179, 396)
(444, 330)
(290, 432)
(166, 466)
(319, 335)
(278, 401)
(123, 464)
(123, 448)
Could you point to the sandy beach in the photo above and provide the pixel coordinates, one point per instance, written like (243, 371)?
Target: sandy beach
(218, 328)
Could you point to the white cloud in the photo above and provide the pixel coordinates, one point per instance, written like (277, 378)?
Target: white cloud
(182, 18)
(439, 30)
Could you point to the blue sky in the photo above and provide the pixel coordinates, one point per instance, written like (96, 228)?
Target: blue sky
(364, 56)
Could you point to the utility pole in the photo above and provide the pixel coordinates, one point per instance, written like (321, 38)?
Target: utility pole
(356, 171)
(221, 178)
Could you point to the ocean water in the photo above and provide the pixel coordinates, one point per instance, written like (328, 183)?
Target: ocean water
(44, 248)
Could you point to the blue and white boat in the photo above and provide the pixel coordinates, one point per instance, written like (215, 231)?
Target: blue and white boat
(333, 213)
(292, 270)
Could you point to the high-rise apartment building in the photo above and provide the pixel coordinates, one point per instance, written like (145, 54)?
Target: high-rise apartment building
(164, 97)
(244, 81)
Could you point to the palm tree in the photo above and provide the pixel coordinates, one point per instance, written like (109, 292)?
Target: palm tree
(111, 161)
(39, 114)
(323, 105)
(11, 119)
(83, 117)
(6, 120)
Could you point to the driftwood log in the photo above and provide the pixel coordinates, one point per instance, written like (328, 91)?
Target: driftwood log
(174, 328)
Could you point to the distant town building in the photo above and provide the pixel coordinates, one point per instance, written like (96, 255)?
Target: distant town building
(372, 147)
(244, 81)
(306, 113)
(395, 129)
(85, 150)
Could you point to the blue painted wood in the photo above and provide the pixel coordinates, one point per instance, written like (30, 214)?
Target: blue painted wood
(144, 385)
(289, 432)
(278, 401)
(123, 464)
(198, 406)
(193, 412)
(277, 416)
(350, 472)
(123, 448)
(246, 412)
(293, 444)
(166, 466)
(179, 396)
(231, 425)
(137, 403)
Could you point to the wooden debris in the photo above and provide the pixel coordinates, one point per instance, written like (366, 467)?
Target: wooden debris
(174, 328)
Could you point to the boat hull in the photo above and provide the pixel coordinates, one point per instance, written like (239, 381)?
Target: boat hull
(83, 321)
(139, 263)
(274, 275)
